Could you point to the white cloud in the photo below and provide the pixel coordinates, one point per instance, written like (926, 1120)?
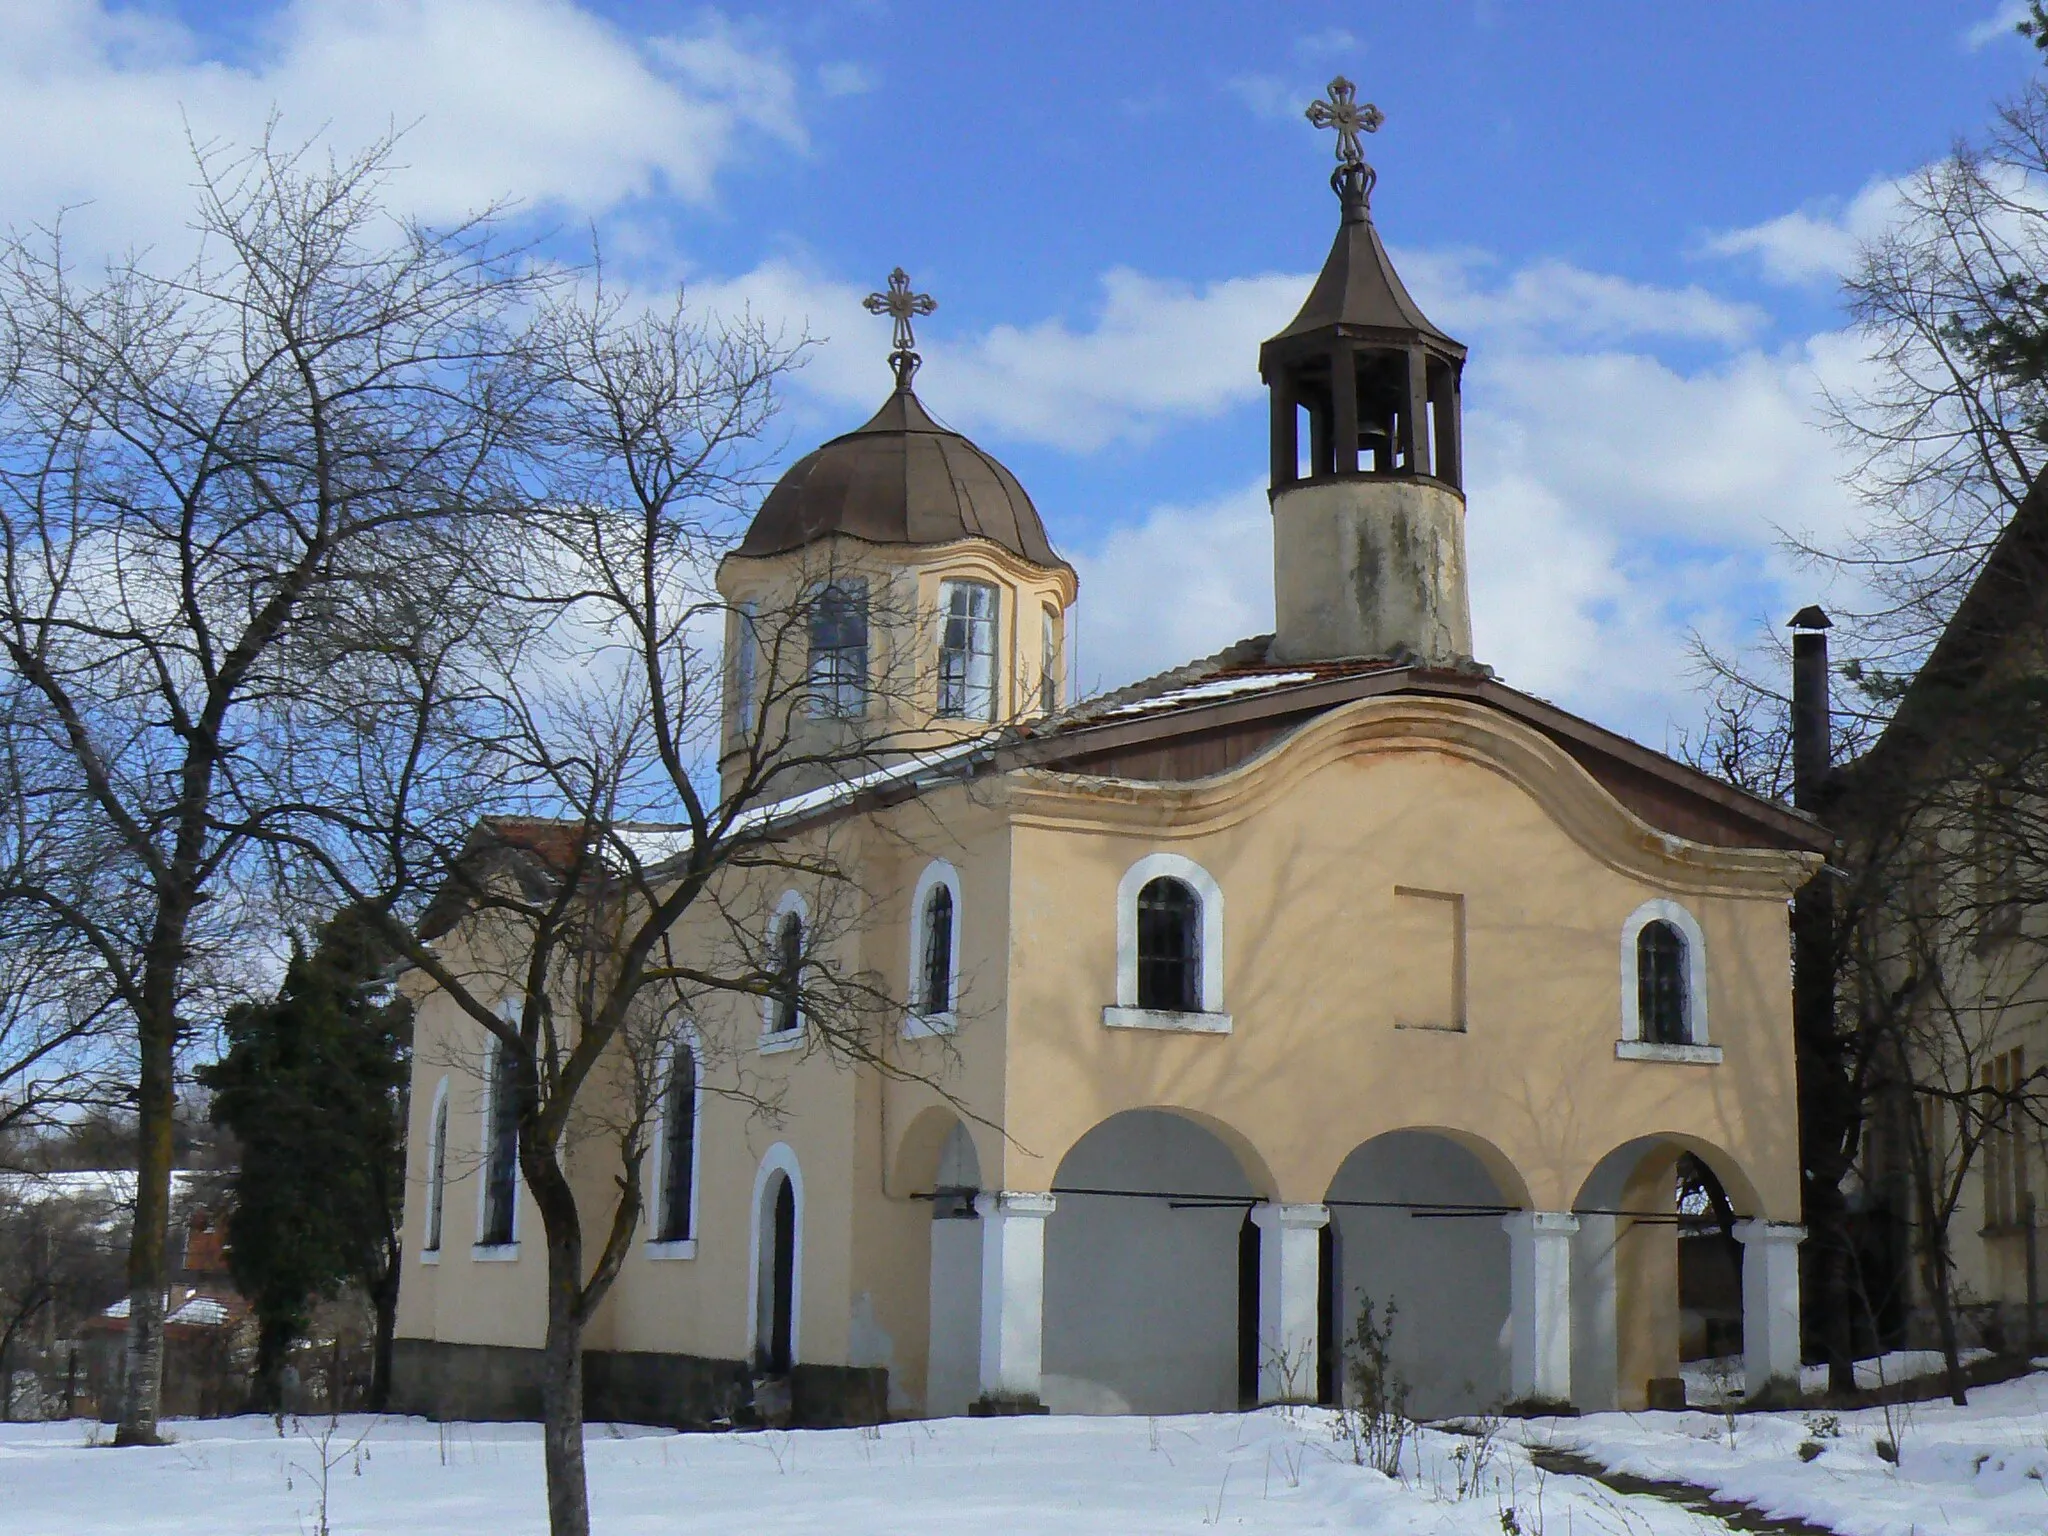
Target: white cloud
(1566, 304)
(846, 77)
(1186, 581)
(1996, 27)
(532, 99)
(1816, 244)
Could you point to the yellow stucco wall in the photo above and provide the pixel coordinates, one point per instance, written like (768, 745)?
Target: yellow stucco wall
(1307, 844)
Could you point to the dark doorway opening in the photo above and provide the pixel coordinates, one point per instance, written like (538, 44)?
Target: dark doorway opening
(776, 1349)
(1248, 1313)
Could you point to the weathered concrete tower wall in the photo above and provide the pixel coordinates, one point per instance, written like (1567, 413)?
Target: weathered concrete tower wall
(1370, 568)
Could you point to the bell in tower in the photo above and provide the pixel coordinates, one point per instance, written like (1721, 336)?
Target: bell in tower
(1368, 504)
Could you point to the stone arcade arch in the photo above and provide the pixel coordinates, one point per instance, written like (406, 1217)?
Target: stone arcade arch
(1142, 1290)
(1416, 1222)
(1626, 1274)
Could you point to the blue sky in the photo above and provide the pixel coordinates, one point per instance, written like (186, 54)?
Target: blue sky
(1634, 214)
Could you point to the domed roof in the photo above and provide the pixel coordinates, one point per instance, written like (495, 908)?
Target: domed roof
(900, 479)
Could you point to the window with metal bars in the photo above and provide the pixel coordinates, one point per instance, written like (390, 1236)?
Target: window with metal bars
(437, 1175)
(1661, 1004)
(1169, 946)
(967, 650)
(937, 981)
(501, 1167)
(789, 960)
(678, 1148)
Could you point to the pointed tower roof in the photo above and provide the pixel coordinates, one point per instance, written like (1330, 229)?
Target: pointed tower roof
(1358, 292)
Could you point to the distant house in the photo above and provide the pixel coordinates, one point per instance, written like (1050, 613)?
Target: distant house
(209, 1333)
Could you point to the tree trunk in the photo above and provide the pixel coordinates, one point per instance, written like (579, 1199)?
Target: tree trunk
(561, 1392)
(1829, 1327)
(148, 1242)
(273, 1349)
(384, 1299)
(1934, 1270)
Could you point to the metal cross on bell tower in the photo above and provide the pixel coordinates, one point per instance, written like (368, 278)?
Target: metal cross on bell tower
(1343, 113)
(900, 304)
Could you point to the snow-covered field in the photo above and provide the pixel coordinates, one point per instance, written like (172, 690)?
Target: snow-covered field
(1974, 1470)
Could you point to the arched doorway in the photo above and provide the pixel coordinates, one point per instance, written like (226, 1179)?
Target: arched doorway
(777, 1262)
(953, 1364)
(1656, 1270)
(1415, 1225)
(1142, 1270)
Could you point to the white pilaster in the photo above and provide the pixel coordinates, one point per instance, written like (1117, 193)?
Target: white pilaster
(1012, 1292)
(1289, 1273)
(1540, 1303)
(1770, 1301)
(1595, 1341)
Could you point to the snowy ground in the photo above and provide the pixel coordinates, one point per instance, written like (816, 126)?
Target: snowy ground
(1975, 1470)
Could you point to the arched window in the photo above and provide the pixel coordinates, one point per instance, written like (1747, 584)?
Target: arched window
(677, 1221)
(1169, 946)
(1664, 986)
(932, 980)
(437, 1169)
(501, 1152)
(967, 650)
(789, 964)
(936, 993)
(1661, 984)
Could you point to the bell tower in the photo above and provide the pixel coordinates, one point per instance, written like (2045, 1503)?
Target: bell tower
(1367, 479)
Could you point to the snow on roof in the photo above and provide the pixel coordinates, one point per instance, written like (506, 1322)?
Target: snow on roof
(201, 1311)
(656, 845)
(1215, 688)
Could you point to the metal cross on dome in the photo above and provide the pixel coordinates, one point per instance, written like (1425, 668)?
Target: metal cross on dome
(1343, 113)
(900, 304)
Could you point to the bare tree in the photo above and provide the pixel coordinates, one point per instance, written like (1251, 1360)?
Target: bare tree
(649, 815)
(220, 489)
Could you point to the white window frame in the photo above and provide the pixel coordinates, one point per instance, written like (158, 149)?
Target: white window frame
(1698, 1049)
(773, 1039)
(835, 708)
(1125, 1012)
(972, 708)
(920, 1022)
(687, 1039)
(481, 1251)
(777, 1159)
(1051, 661)
(437, 1177)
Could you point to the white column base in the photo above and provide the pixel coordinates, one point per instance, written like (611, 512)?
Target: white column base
(1770, 1302)
(1012, 1294)
(1595, 1342)
(1290, 1271)
(1540, 1304)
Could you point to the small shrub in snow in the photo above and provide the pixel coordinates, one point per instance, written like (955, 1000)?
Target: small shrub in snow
(1375, 1423)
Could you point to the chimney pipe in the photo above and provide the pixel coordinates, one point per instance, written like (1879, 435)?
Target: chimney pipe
(1812, 736)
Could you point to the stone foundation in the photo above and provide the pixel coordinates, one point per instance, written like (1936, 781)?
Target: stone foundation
(494, 1382)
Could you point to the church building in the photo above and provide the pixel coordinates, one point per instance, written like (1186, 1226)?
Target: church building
(1328, 968)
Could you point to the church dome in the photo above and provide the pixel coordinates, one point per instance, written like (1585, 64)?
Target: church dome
(900, 479)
